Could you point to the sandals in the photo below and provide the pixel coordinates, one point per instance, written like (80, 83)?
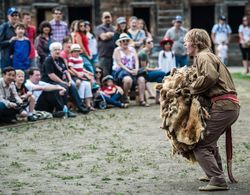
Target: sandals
(143, 103)
(204, 179)
(211, 187)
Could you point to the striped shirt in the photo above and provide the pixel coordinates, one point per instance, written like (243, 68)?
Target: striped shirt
(59, 30)
(77, 64)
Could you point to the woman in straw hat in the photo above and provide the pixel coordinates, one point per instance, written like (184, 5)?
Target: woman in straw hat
(126, 66)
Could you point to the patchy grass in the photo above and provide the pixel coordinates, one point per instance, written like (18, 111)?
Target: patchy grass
(239, 75)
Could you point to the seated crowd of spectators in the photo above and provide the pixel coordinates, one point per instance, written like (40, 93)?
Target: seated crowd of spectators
(59, 69)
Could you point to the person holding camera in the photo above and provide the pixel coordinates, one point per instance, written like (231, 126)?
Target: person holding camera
(10, 102)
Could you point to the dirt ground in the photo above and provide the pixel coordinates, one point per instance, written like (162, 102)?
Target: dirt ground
(116, 151)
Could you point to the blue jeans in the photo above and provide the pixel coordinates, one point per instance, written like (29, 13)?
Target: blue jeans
(155, 76)
(114, 99)
(73, 92)
(181, 60)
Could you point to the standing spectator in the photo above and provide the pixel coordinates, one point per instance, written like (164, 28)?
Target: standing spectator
(48, 97)
(7, 35)
(73, 29)
(92, 43)
(223, 52)
(104, 34)
(43, 41)
(166, 58)
(142, 26)
(138, 35)
(126, 66)
(9, 99)
(25, 94)
(177, 33)
(244, 35)
(56, 72)
(220, 32)
(82, 39)
(121, 27)
(20, 49)
(59, 27)
(31, 34)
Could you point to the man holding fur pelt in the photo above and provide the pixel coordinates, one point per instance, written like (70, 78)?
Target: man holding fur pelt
(215, 84)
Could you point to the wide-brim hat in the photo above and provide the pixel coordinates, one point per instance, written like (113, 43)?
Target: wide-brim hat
(166, 40)
(123, 36)
(75, 47)
(106, 78)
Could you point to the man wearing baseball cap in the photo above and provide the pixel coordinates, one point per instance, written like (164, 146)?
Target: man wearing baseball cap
(221, 32)
(177, 33)
(7, 35)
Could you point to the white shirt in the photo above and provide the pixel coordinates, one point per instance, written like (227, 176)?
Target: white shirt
(30, 86)
(222, 51)
(127, 60)
(221, 32)
(245, 30)
(92, 43)
(166, 61)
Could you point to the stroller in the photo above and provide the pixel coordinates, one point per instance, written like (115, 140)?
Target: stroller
(99, 101)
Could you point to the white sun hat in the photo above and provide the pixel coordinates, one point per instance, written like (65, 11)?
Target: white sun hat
(123, 36)
(75, 47)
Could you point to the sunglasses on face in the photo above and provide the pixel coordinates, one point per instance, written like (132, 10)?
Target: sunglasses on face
(57, 13)
(125, 41)
(149, 42)
(14, 15)
(106, 17)
(98, 72)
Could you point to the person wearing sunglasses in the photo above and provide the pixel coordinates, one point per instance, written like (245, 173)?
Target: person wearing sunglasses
(125, 69)
(7, 35)
(104, 35)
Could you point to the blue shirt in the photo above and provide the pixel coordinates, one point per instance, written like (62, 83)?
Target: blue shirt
(20, 49)
(6, 33)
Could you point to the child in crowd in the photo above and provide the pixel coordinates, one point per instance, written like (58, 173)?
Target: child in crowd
(166, 59)
(76, 65)
(223, 52)
(25, 95)
(112, 93)
(82, 77)
(20, 49)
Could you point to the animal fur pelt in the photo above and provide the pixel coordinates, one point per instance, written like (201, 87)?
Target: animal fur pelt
(183, 116)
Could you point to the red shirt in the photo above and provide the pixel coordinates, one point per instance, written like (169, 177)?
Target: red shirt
(85, 42)
(110, 90)
(31, 34)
